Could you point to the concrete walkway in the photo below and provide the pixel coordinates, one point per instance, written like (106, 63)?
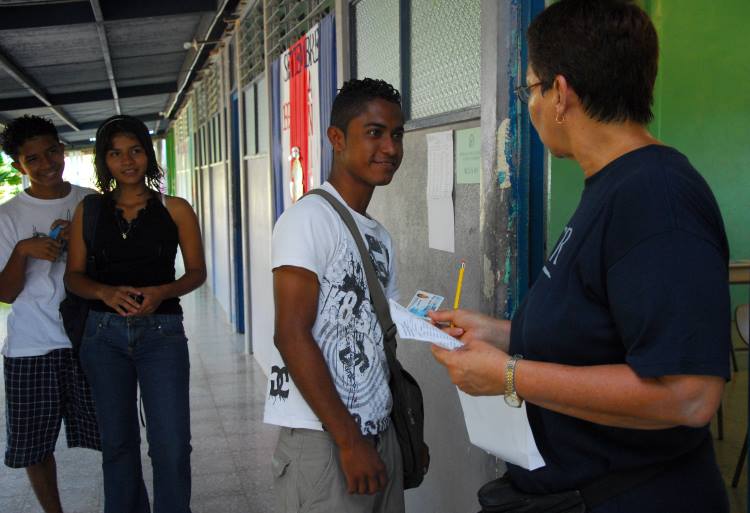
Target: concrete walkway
(231, 446)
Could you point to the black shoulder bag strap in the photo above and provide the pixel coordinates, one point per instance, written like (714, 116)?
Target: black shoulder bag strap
(407, 414)
(377, 296)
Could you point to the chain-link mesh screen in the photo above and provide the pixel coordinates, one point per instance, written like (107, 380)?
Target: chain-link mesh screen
(252, 53)
(444, 56)
(377, 40)
(289, 20)
(212, 91)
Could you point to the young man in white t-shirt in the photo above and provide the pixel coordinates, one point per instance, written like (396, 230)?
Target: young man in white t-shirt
(44, 383)
(329, 383)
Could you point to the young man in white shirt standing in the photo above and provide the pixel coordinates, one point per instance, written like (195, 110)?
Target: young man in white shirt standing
(329, 384)
(44, 383)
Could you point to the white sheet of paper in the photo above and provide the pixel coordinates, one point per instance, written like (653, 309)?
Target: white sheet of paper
(440, 222)
(410, 326)
(501, 430)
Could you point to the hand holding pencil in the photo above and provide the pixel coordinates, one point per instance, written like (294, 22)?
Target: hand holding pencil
(467, 325)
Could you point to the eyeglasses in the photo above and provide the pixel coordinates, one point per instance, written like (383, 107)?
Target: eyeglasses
(524, 92)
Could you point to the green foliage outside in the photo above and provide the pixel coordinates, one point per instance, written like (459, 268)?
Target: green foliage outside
(10, 179)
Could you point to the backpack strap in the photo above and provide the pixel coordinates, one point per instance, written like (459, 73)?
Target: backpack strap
(92, 206)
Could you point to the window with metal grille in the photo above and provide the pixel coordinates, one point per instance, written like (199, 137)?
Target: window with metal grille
(200, 104)
(428, 49)
(288, 20)
(444, 56)
(213, 89)
(252, 51)
(375, 38)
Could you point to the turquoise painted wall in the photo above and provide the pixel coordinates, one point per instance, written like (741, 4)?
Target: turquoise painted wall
(701, 107)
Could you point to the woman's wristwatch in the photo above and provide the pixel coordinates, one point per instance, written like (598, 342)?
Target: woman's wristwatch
(511, 397)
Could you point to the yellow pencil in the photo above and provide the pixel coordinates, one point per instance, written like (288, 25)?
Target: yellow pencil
(459, 284)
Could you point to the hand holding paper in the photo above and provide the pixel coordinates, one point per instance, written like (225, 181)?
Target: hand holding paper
(477, 370)
(412, 327)
(471, 326)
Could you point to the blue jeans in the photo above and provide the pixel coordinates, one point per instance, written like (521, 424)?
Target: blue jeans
(119, 354)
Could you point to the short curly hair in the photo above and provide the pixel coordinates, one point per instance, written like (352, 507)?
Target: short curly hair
(123, 125)
(21, 130)
(354, 95)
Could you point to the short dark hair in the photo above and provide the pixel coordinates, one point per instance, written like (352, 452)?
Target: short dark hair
(354, 95)
(607, 50)
(123, 125)
(22, 129)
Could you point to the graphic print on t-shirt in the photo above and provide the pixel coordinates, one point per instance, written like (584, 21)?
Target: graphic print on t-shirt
(380, 258)
(567, 233)
(349, 334)
(279, 382)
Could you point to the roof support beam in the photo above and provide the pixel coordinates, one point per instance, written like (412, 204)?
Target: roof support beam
(93, 95)
(21, 77)
(215, 31)
(93, 125)
(49, 14)
(101, 29)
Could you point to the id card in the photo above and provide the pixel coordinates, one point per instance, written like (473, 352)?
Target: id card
(423, 302)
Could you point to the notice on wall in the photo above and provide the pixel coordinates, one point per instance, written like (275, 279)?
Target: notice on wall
(468, 155)
(440, 190)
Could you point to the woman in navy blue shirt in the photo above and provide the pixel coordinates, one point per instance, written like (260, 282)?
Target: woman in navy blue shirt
(620, 348)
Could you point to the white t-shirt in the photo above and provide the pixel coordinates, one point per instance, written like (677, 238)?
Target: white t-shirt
(311, 235)
(34, 324)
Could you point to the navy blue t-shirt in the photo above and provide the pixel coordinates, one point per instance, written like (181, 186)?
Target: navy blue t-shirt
(639, 276)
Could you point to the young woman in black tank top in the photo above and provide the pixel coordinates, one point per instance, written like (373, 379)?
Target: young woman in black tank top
(134, 336)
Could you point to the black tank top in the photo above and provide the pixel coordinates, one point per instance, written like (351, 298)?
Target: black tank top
(140, 253)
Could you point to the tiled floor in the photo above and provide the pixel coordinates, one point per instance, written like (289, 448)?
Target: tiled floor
(232, 447)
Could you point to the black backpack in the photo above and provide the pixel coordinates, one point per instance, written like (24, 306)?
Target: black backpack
(74, 310)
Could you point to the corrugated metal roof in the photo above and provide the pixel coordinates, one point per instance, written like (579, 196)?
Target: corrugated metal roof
(50, 51)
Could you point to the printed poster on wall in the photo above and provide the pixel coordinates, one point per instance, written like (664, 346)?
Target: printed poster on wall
(306, 86)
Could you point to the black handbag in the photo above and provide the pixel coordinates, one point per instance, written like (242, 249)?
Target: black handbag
(74, 310)
(500, 496)
(407, 413)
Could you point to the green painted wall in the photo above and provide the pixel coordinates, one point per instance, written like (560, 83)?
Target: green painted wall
(171, 164)
(701, 107)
